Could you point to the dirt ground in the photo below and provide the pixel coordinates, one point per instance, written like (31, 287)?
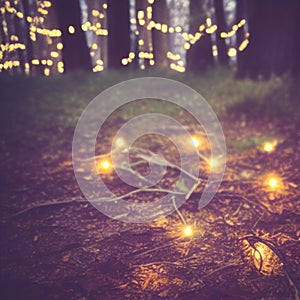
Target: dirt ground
(56, 245)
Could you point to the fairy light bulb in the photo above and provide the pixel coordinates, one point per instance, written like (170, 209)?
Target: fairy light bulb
(119, 142)
(104, 166)
(273, 183)
(195, 141)
(213, 163)
(188, 231)
(269, 146)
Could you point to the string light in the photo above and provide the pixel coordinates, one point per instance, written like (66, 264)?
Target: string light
(104, 166)
(269, 146)
(120, 142)
(195, 141)
(188, 231)
(273, 182)
(213, 163)
(144, 18)
(71, 29)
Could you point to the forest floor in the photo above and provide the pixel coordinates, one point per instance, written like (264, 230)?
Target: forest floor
(56, 245)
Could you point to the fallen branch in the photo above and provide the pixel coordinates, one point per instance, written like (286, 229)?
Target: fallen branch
(83, 200)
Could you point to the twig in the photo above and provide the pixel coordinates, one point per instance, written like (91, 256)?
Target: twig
(169, 164)
(83, 200)
(178, 212)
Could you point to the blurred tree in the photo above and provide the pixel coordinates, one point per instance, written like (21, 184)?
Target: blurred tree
(160, 40)
(118, 25)
(95, 8)
(75, 52)
(199, 56)
(27, 39)
(273, 39)
(223, 58)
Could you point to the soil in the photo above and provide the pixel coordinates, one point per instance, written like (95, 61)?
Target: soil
(56, 245)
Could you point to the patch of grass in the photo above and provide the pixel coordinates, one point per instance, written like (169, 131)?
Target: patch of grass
(44, 102)
(243, 144)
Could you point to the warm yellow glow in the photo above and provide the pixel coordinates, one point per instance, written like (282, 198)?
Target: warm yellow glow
(187, 46)
(94, 46)
(95, 13)
(54, 54)
(208, 22)
(243, 45)
(131, 55)
(212, 29)
(273, 182)
(164, 28)
(124, 61)
(269, 146)
(46, 71)
(105, 5)
(213, 163)
(235, 27)
(119, 142)
(195, 141)
(47, 3)
(231, 52)
(178, 29)
(201, 27)
(71, 29)
(140, 14)
(242, 23)
(188, 231)
(59, 46)
(104, 166)
(141, 42)
(214, 50)
(151, 62)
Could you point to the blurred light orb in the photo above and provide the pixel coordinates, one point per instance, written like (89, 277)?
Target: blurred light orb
(269, 146)
(188, 231)
(104, 166)
(195, 141)
(119, 142)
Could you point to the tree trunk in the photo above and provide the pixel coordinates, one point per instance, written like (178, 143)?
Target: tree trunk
(272, 45)
(160, 40)
(199, 56)
(28, 41)
(75, 52)
(99, 40)
(223, 58)
(118, 32)
(144, 33)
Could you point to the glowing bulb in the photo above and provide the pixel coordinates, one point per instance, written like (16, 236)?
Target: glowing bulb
(104, 166)
(213, 163)
(273, 182)
(124, 61)
(188, 231)
(269, 147)
(195, 141)
(71, 29)
(120, 142)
